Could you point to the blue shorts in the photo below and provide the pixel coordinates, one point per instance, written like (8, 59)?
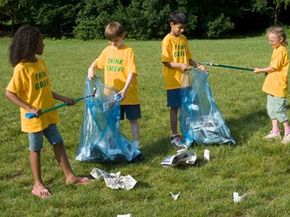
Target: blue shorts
(174, 98)
(133, 112)
(51, 134)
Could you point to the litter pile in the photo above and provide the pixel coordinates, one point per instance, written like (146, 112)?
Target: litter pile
(201, 121)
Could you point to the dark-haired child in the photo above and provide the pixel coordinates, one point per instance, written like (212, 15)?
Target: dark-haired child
(176, 58)
(30, 89)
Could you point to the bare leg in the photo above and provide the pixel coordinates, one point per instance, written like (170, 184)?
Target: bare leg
(38, 189)
(135, 130)
(286, 128)
(275, 125)
(173, 120)
(62, 159)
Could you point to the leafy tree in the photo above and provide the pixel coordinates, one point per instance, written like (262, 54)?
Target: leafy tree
(17, 12)
(273, 7)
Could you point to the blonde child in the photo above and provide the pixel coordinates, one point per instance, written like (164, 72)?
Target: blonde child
(30, 89)
(118, 62)
(276, 83)
(176, 58)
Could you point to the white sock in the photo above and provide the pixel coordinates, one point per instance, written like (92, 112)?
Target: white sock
(136, 142)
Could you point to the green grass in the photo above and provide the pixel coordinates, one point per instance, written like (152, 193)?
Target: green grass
(253, 166)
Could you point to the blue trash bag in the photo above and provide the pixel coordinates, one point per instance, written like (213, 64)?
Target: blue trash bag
(200, 119)
(101, 139)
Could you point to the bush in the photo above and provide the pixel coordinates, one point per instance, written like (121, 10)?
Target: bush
(219, 27)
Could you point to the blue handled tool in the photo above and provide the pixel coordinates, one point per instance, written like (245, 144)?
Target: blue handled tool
(33, 115)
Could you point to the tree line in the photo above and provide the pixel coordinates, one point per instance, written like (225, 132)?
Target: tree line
(142, 19)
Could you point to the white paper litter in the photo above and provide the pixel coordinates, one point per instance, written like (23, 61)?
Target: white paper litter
(206, 154)
(114, 180)
(125, 215)
(238, 198)
(181, 157)
(175, 196)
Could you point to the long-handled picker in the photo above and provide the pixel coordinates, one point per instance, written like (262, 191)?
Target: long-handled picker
(33, 115)
(227, 66)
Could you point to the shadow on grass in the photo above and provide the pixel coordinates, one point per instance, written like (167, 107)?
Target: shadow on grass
(245, 126)
(157, 148)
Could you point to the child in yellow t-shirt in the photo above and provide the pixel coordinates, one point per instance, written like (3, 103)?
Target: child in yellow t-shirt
(276, 83)
(118, 62)
(176, 58)
(30, 89)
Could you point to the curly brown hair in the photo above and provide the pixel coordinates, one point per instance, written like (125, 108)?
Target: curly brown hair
(24, 44)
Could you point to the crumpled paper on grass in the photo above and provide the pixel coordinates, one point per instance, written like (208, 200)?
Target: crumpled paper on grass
(183, 157)
(114, 180)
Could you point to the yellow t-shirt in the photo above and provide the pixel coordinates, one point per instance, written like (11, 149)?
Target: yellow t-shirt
(174, 49)
(31, 84)
(276, 83)
(117, 65)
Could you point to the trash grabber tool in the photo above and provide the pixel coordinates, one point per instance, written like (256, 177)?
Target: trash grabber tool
(33, 115)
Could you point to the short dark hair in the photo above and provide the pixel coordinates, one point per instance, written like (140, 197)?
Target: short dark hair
(114, 30)
(24, 44)
(177, 17)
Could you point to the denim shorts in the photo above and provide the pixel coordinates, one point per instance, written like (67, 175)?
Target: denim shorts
(276, 108)
(51, 134)
(133, 112)
(174, 98)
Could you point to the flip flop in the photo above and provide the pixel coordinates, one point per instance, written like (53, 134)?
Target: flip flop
(41, 192)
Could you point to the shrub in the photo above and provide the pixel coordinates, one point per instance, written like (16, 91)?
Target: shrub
(219, 27)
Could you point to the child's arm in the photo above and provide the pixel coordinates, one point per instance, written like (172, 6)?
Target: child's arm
(92, 71)
(197, 65)
(123, 92)
(17, 101)
(182, 66)
(68, 100)
(268, 69)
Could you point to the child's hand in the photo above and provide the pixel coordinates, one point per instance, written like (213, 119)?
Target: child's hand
(36, 111)
(183, 66)
(122, 93)
(257, 70)
(201, 67)
(91, 74)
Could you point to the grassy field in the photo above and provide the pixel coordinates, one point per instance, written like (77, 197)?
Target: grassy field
(253, 166)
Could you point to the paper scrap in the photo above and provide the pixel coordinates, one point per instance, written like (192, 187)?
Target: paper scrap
(238, 198)
(175, 196)
(181, 157)
(114, 180)
(125, 215)
(206, 154)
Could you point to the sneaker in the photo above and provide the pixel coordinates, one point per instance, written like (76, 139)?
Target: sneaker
(273, 135)
(286, 138)
(176, 141)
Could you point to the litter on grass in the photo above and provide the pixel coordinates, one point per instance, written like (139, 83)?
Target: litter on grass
(206, 155)
(183, 157)
(101, 139)
(125, 215)
(238, 198)
(175, 196)
(114, 180)
(201, 121)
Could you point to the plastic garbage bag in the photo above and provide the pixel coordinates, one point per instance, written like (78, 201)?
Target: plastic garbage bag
(101, 139)
(200, 119)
